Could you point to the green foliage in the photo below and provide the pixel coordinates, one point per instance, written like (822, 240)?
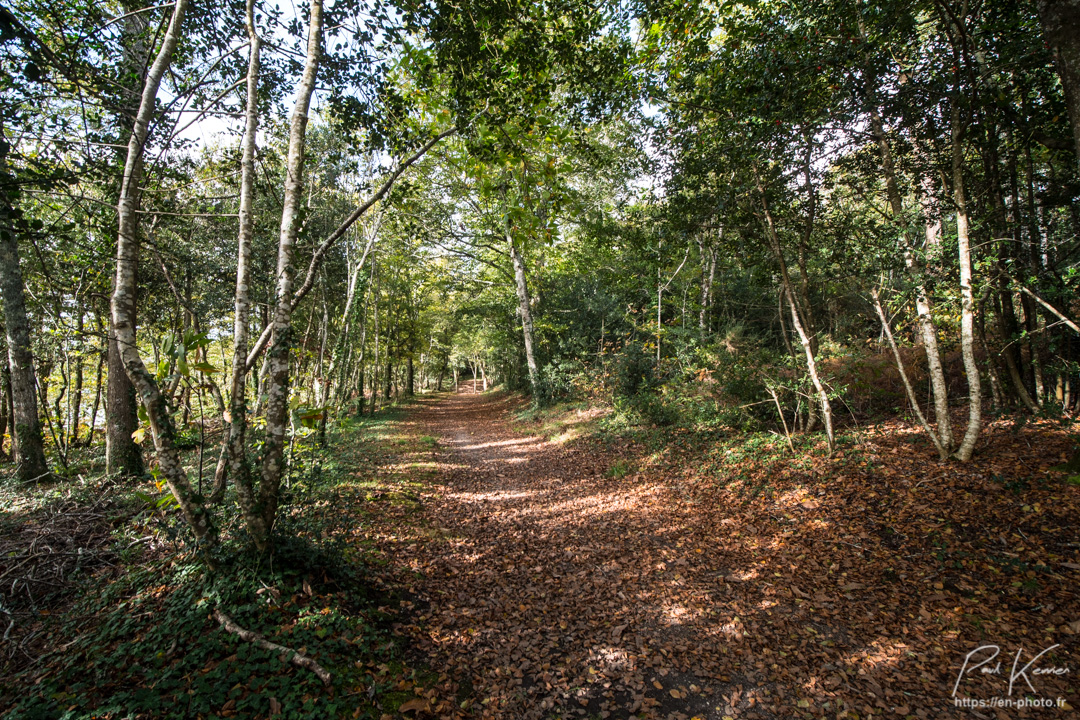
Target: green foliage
(650, 407)
(635, 372)
(151, 647)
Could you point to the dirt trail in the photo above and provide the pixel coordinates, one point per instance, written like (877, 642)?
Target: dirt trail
(555, 590)
(547, 588)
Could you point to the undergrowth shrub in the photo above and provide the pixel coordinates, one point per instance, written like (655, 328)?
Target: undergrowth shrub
(635, 371)
(147, 646)
(559, 380)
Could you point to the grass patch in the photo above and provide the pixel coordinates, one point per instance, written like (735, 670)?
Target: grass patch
(620, 469)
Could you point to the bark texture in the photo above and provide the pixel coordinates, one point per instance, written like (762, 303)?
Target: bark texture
(525, 311)
(263, 510)
(234, 450)
(25, 424)
(123, 299)
(967, 297)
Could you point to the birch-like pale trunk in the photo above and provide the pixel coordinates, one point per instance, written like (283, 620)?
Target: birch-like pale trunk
(29, 445)
(525, 311)
(122, 454)
(804, 338)
(233, 459)
(927, 331)
(967, 297)
(707, 251)
(277, 402)
(123, 299)
(320, 253)
(943, 451)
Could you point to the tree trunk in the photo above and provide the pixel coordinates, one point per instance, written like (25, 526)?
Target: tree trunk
(924, 316)
(29, 446)
(967, 300)
(1007, 318)
(804, 243)
(122, 454)
(389, 381)
(1061, 26)
(804, 338)
(5, 406)
(277, 404)
(996, 394)
(233, 459)
(943, 451)
(525, 311)
(123, 299)
(97, 398)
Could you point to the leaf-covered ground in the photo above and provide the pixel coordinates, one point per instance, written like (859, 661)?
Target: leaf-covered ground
(560, 571)
(458, 561)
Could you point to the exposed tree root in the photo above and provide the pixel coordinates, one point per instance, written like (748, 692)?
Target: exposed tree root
(295, 657)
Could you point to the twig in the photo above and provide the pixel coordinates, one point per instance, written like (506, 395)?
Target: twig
(293, 656)
(780, 411)
(942, 450)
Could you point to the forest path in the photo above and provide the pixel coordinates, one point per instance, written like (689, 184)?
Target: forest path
(549, 589)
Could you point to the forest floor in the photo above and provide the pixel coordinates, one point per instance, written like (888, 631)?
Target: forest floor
(461, 556)
(555, 569)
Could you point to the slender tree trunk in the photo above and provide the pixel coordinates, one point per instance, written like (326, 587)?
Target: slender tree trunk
(804, 243)
(967, 300)
(525, 311)
(996, 393)
(77, 391)
(277, 405)
(29, 446)
(5, 391)
(389, 381)
(123, 299)
(923, 312)
(377, 280)
(1006, 318)
(97, 398)
(804, 338)
(943, 452)
(233, 458)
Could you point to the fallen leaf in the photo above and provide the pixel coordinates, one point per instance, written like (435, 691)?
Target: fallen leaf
(415, 705)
